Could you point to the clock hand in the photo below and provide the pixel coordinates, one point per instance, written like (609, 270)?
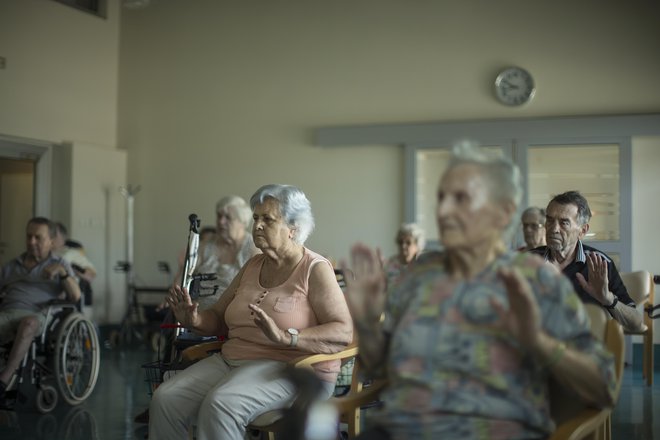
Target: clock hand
(509, 85)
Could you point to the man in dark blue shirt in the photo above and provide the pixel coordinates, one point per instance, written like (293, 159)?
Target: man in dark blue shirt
(591, 271)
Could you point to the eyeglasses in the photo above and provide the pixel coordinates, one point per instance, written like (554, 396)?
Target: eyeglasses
(532, 226)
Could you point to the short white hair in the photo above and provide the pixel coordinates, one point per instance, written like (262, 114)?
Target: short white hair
(413, 230)
(295, 208)
(240, 206)
(503, 175)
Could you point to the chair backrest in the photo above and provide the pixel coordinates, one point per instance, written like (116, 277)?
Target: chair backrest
(638, 284)
(598, 320)
(564, 406)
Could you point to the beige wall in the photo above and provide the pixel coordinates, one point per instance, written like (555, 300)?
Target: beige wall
(60, 80)
(59, 88)
(221, 97)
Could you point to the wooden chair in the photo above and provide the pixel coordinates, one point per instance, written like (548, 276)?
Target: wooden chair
(591, 423)
(641, 289)
(583, 423)
(270, 421)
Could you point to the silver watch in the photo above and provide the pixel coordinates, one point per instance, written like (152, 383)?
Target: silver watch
(294, 336)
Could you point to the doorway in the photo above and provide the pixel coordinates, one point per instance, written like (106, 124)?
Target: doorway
(16, 205)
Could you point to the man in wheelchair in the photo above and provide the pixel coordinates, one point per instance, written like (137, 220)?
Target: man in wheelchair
(27, 284)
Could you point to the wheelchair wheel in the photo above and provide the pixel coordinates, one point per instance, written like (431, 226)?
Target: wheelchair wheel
(77, 357)
(46, 399)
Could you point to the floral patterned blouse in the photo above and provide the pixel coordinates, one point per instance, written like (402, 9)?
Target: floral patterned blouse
(454, 373)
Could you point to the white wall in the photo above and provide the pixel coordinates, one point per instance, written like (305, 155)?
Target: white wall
(98, 220)
(221, 97)
(646, 208)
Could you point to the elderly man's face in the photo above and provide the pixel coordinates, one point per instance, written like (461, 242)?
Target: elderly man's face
(533, 229)
(562, 228)
(38, 242)
(466, 216)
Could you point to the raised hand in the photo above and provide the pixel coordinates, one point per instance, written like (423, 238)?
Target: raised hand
(365, 293)
(54, 271)
(267, 325)
(523, 318)
(597, 285)
(184, 309)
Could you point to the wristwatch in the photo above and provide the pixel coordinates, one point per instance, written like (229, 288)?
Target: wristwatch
(611, 306)
(65, 276)
(294, 336)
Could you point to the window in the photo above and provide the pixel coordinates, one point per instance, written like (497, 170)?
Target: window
(598, 169)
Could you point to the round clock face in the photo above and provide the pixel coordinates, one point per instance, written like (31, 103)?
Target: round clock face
(514, 86)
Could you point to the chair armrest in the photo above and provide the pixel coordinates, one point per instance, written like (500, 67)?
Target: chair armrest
(307, 361)
(351, 401)
(585, 422)
(201, 351)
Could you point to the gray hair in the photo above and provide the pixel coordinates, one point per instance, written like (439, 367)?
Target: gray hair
(535, 210)
(240, 206)
(295, 208)
(503, 175)
(577, 199)
(52, 230)
(415, 231)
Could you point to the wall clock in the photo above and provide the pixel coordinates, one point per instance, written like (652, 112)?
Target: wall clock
(514, 86)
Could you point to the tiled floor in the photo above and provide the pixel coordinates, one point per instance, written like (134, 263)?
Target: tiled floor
(121, 392)
(637, 413)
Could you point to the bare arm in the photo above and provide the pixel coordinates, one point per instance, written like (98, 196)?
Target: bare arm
(366, 301)
(335, 329)
(210, 322)
(69, 284)
(87, 274)
(71, 288)
(573, 369)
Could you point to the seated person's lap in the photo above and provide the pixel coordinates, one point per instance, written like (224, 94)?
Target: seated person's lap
(10, 320)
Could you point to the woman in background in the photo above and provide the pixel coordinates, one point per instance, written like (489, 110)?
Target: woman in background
(410, 242)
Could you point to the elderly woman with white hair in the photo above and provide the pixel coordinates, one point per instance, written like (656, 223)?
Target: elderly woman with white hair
(471, 335)
(284, 303)
(410, 241)
(229, 249)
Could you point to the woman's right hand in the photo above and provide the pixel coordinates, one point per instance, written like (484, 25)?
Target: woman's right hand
(365, 293)
(184, 309)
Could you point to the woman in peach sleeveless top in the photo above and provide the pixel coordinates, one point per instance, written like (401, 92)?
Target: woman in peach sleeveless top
(283, 304)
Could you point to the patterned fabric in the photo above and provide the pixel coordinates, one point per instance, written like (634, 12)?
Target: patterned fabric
(393, 268)
(453, 371)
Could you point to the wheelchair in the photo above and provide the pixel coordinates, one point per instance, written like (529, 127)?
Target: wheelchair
(62, 362)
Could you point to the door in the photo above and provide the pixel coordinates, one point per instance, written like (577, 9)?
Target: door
(16, 205)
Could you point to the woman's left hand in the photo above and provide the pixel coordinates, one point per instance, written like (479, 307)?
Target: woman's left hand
(523, 317)
(267, 325)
